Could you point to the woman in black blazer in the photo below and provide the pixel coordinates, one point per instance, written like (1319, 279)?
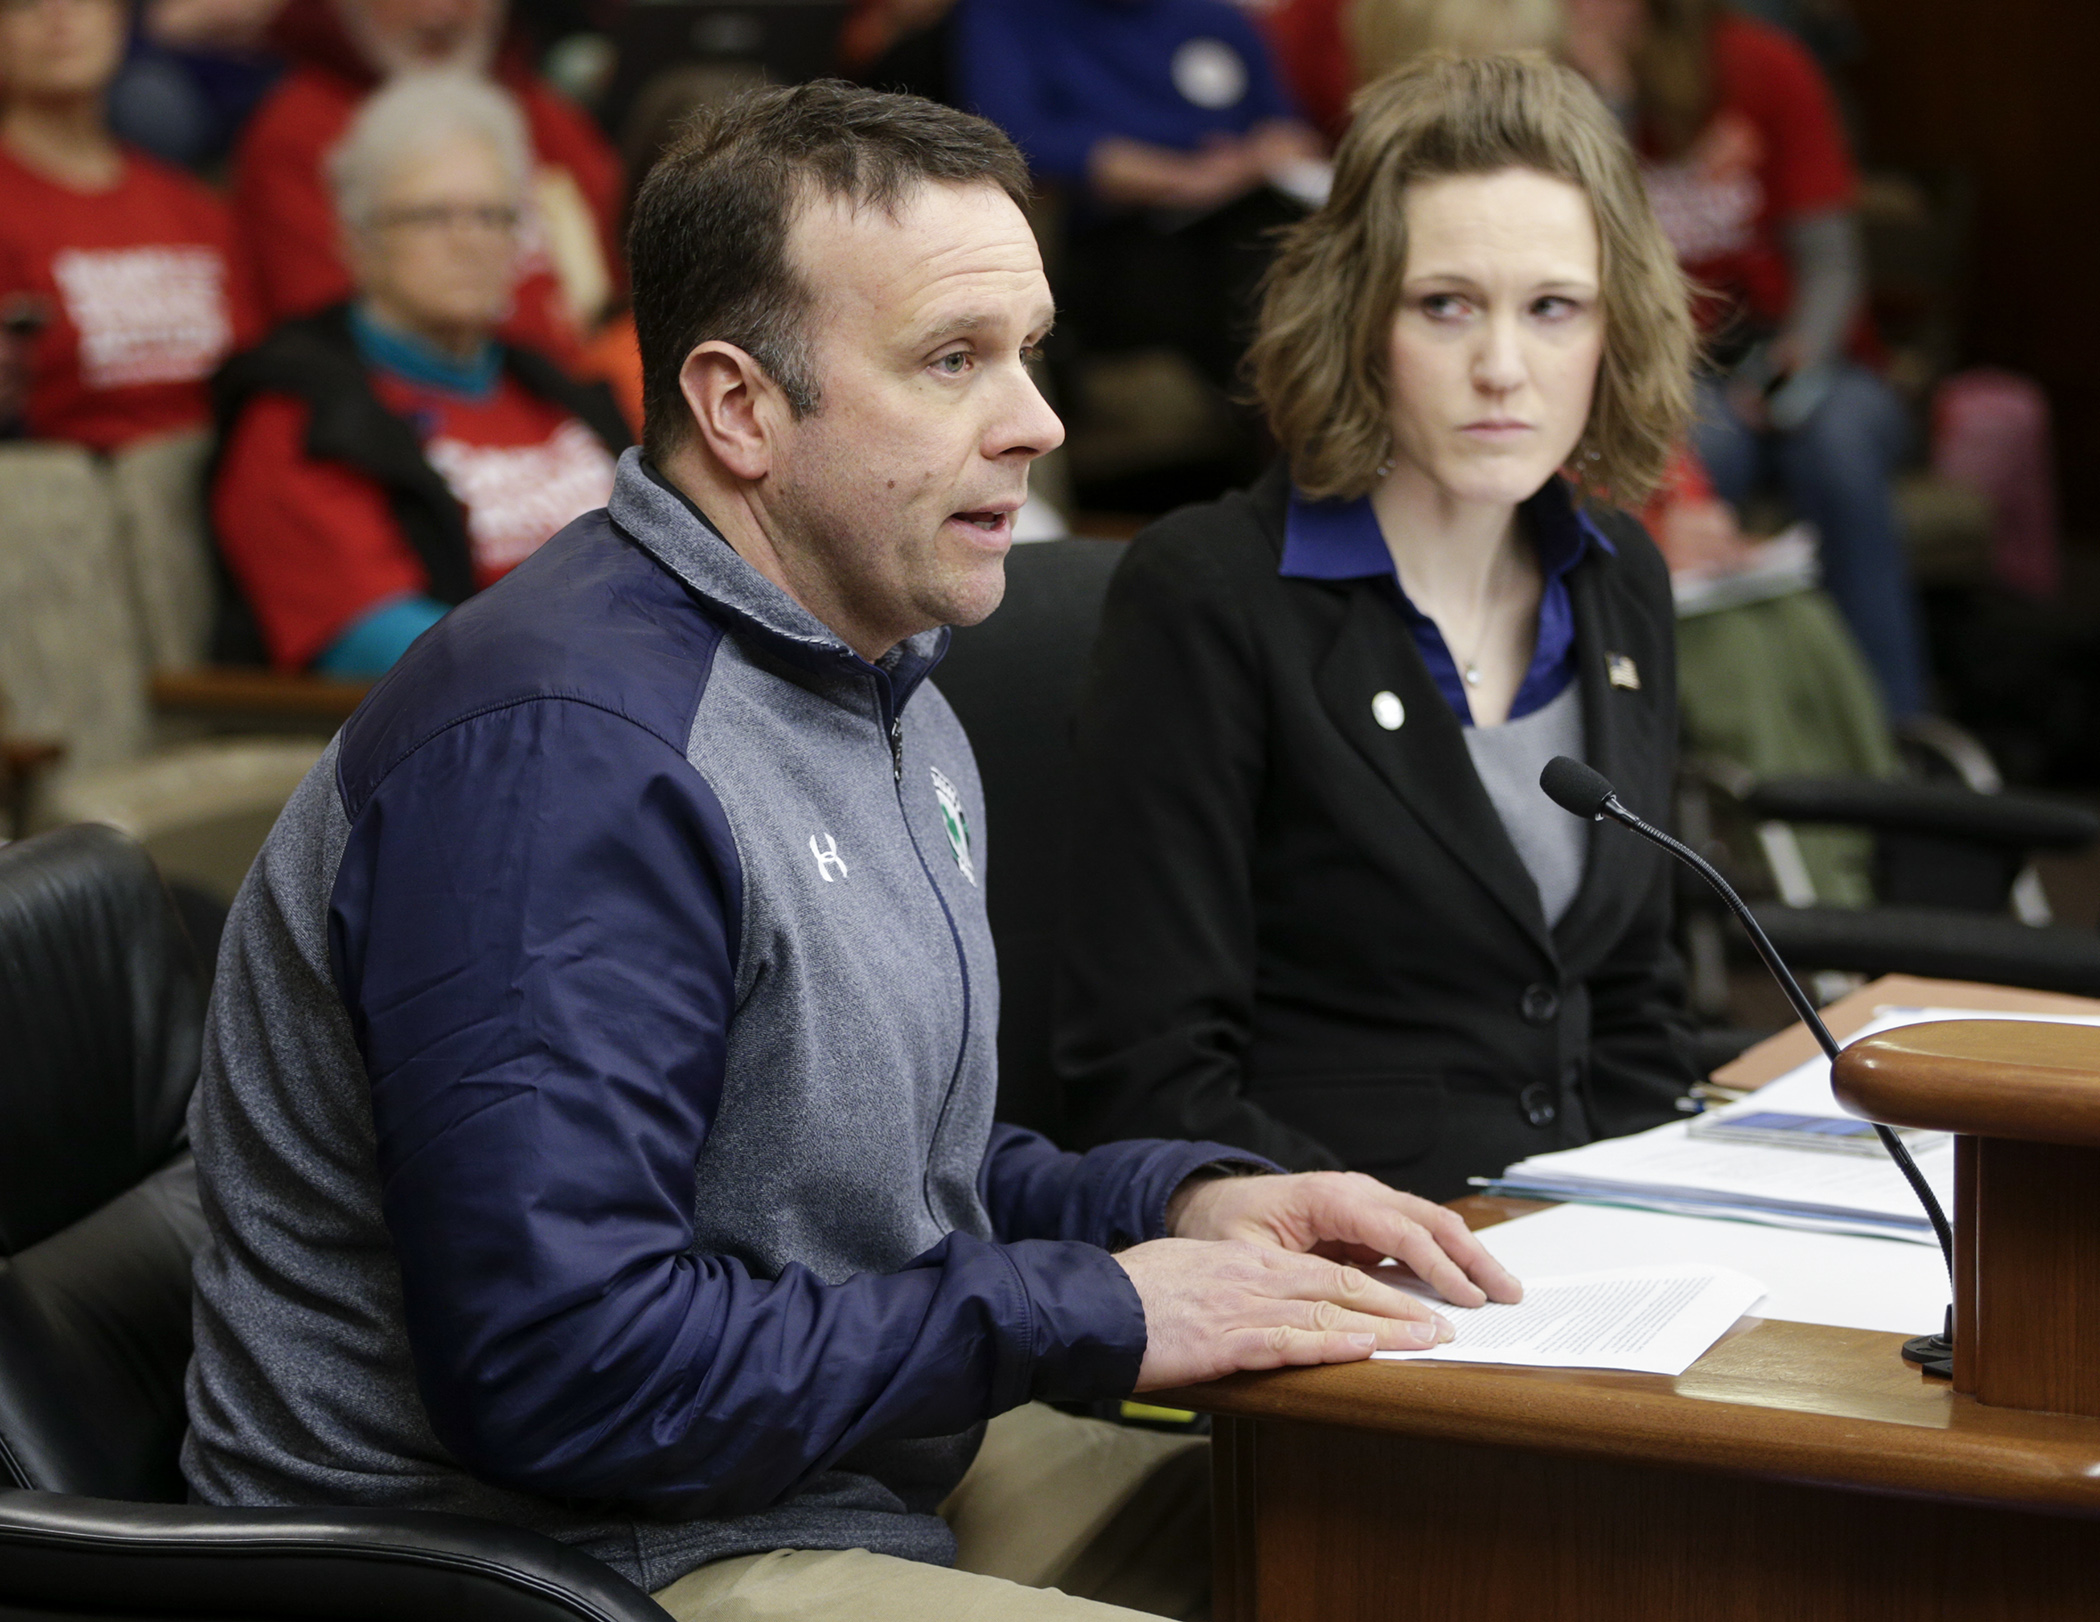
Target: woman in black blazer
(1318, 907)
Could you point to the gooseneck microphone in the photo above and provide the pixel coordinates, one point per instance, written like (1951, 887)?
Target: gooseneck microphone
(1583, 792)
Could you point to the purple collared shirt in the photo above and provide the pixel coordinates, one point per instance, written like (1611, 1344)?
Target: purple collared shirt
(1341, 540)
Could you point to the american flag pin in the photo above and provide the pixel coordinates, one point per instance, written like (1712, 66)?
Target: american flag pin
(1621, 671)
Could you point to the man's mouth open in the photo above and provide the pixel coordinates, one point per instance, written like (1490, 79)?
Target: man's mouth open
(988, 523)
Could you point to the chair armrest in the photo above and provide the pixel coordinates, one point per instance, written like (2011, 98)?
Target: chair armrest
(108, 1559)
(1936, 944)
(238, 692)
(2014, 821)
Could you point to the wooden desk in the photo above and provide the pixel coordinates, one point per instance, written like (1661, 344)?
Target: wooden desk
(1795, 1471)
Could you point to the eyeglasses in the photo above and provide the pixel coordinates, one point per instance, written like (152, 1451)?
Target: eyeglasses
(431, 218)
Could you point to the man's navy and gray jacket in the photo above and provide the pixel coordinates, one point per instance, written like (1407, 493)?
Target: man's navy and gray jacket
(596, 1121)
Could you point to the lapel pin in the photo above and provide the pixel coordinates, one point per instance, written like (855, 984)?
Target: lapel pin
(1387, 710)
(1620, 671)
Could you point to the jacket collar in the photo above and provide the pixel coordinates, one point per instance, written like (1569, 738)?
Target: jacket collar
(1425, 762)
(666, 524)
(1341, 540)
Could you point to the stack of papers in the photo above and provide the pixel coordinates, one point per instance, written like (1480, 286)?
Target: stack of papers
(1780, 567)
(1669, 1170)
(1652, 1320)
(1694, 1232)
(1811, 1278)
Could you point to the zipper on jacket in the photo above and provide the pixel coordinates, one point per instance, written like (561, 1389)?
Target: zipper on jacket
(962, 956)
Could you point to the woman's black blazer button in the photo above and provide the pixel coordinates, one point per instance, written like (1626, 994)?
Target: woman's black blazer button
(1539, 1004)
(1539, 1108)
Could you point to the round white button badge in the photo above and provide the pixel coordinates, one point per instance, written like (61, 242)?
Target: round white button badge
(1209, 73)
(1388, 711)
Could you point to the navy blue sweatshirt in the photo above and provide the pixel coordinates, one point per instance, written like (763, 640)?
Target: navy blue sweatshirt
(595, 1128)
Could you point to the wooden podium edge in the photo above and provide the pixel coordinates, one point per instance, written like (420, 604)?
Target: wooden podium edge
(1724, 1415)
(1781, 1401)
(1777, 1054)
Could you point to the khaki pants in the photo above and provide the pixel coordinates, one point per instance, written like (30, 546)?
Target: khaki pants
(1059, 1520)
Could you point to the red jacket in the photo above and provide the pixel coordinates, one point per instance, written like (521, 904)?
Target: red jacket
(341, 485)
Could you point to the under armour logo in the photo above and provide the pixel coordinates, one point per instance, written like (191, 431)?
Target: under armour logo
(828, 857)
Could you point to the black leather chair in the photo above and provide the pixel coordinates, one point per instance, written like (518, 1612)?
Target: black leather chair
(101, 1012)
(1015, 683)
(1946, 860)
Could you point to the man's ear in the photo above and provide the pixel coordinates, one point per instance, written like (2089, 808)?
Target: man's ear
(738, 411)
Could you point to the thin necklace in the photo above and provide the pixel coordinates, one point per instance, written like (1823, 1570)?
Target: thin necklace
(1469, 664)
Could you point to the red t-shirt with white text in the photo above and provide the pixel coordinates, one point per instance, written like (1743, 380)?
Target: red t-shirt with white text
(315, 544)
(141, 293)
(1773, 151)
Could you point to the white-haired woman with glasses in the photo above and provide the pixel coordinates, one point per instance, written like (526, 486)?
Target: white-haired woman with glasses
(388, 457)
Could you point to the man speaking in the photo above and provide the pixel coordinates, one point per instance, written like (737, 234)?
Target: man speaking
(595, 1129)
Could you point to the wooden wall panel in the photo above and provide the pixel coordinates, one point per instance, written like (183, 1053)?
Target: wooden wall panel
(2008, 90)
(1356, 1527)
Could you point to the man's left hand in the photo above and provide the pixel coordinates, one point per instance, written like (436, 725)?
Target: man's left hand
(1345, 1216)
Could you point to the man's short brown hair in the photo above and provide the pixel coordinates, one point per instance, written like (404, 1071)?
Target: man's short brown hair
(1319, 361)
(709, 243)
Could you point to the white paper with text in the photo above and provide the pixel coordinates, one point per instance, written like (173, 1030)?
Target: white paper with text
(1650, 1320)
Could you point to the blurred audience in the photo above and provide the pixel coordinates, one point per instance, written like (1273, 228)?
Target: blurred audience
(1328, 49)
(120, 290)
(1697, 532)
(1386, 34)
(386, 458)
(901, 45)
(342, 49)
(1308, 40)
(1769, 680)
(194, 72)
(1753, 180)
(1166, 124)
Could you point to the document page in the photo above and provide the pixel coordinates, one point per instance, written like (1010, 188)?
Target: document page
(1650, 1320)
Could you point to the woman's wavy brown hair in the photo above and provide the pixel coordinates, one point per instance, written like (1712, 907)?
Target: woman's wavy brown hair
(1318, 362)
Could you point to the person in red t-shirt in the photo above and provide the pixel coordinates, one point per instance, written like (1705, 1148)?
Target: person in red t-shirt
(1752, 179)
(120, 290)
(345, 48)
(387, 458)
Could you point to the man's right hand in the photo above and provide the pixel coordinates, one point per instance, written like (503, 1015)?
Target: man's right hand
(1215, 1306)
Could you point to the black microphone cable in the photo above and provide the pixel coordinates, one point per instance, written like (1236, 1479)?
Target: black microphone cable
(1584, 792)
